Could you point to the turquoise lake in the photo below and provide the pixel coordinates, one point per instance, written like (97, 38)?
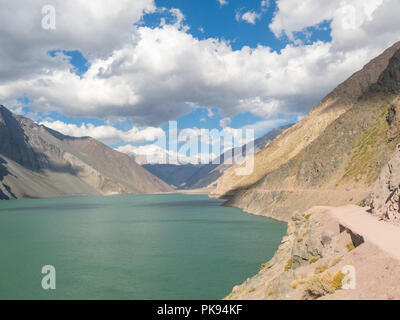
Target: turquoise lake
(170, 246)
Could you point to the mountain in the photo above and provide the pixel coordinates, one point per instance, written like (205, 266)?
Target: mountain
(173, 174)
(209, 173)
(333, 155)
(201, 176)
(37, 162)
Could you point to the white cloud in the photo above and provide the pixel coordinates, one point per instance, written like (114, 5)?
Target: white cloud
(222, 2)
(155, 154)
(355, 23)
(225, 122)
(146, 154)
(165, 71)
(107, 134)
(169, 71)
(192, 145)
(94, 27)
(179, 19)
(265, 4)
(248, 16)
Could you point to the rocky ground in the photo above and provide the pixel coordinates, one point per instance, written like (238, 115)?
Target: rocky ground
(314, 257)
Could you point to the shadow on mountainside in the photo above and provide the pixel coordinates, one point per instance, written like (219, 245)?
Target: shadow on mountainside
(4, 172)
(16, 145)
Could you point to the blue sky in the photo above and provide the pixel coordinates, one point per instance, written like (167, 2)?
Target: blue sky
(121, 74)
(205, 19)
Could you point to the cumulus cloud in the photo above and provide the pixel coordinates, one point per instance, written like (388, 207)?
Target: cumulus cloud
(165, 71)
(147, 154)
(248, 16)
(107, 134)
(94, 27)
(265, 4)
(169, 71)
(191, 145)
(154, 154)
(225, 122)
(367, 24)
(222, 2)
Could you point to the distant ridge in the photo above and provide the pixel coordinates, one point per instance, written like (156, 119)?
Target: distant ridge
(37, 162)
(197, 177)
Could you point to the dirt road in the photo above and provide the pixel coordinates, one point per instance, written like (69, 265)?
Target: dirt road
(384, 235)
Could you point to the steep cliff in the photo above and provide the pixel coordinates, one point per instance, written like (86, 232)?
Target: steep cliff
(385, 198)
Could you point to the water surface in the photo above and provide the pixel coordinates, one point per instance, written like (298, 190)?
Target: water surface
(131, 247)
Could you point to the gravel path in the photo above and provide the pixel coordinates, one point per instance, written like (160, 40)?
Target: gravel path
(384, 235)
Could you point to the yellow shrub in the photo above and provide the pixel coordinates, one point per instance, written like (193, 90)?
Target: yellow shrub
(338, 280)
(289, 265)
(297, 283)
(264, 265)
(314, 260)
(350, 246)
(321, 269)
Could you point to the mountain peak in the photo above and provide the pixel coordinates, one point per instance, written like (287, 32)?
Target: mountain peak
(363, 80)
(389, 80)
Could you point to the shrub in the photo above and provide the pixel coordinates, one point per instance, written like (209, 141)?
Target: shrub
(289, 265)
(318, 286)
(314, 260)
(338, 280)
(297, 283)
(350, 246)
(264, 265)
(363, 203)
(321, 269)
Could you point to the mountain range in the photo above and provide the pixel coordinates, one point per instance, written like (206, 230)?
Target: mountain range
(191, 176)
(37, 162)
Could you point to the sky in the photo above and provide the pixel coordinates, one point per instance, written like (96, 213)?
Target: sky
(121, 70)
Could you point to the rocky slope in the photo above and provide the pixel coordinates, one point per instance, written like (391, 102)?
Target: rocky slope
(37, 162)
(345, 151)
(315, 258)
(385, 198)
(332, 156)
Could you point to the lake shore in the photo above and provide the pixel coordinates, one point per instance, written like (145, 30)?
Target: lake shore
(320, 244)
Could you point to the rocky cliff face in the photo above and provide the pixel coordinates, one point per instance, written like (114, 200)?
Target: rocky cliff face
(38, 162)
(385, 198)
(313, 262)
(313, 247)
(333, 155)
